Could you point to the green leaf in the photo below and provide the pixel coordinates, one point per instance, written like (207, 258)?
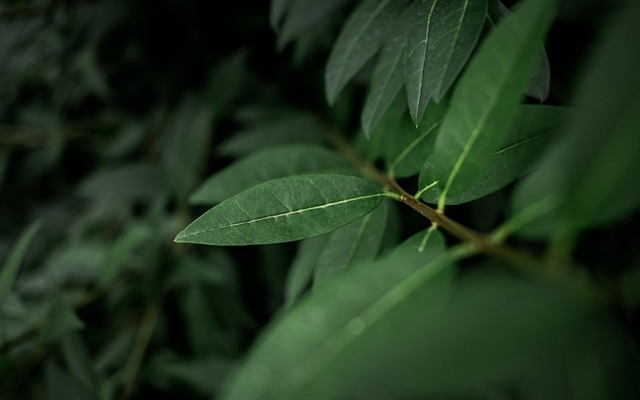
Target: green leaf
(380, 143)
(322, 347)
(277, 12)
(412, 145)
(302, 267)
(11, 266)
(303, 15)
(274, 128)
(356, 242)
(284, 210)
(593, 169)
(540, 79)
(125, 183)
(524, 142)
(487, 99)
(360, 39)
(442, 36)
(387, 79)
(277, 162)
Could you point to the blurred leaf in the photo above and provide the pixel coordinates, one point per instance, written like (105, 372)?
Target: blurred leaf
(276, 162)
(277, 11)
(205, 374)
(186, 144)
(277, 128)
(360, 39)
(61, 320)
(125, 183)
(123, 252)
(592, 169)
(387, 78)
(61, 385)
(357, 242)
(535, 125)
(302, 267)
(283, 210)
(76, 356)
(304, 15)
(11, 265)
(323, 347)
(486, 101)
(441, 38)
(540, 80)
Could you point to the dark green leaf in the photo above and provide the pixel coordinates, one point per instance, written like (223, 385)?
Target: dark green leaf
(387, 79)
(277, 162)
(302, 267)
(276, 128)
(592, 171)
(303, 15)
(126, 183)
(277, 12)
(442, 36)
(524, 142)
(356, 242)
(11, 265)
(283, 210)
(487, 99)
(322, 348)
(361, 37)
(412, 145)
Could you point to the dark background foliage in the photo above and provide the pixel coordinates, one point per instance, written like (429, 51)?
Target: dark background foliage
(88, 87)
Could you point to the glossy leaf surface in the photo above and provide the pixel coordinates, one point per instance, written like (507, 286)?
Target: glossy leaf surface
(276, 162)
(283, 210)
(486, 101)
(442, 37)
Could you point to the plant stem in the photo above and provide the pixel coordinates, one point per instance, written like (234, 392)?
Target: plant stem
(481, 243)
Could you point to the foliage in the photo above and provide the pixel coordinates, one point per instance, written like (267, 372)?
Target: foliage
(319, 200)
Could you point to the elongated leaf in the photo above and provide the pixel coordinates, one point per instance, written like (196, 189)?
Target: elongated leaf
(319, 349)
(539, 83)
(443, 34)
(593, 169)
(301, 271)
(303, 15)
(283, 210)
(277, 162)
(387, 79)
(277, 11)
(126, 183)
(274, 128)
(486, 101)
(536, 124)
(380, 144)
(356, 242)
(413, 145)
(363, 34)
(11, 265)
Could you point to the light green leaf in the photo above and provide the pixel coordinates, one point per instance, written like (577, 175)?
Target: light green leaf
(487, 99)
(272, 163)
(387, 79)
(322, 347)
(593, 168)
(284, 210)
(524, 142)
(304, 15)
(356, 242)
(11, 265)
(361, 37)
(442, 36)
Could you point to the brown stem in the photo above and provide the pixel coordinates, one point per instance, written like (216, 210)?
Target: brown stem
(481, 242)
